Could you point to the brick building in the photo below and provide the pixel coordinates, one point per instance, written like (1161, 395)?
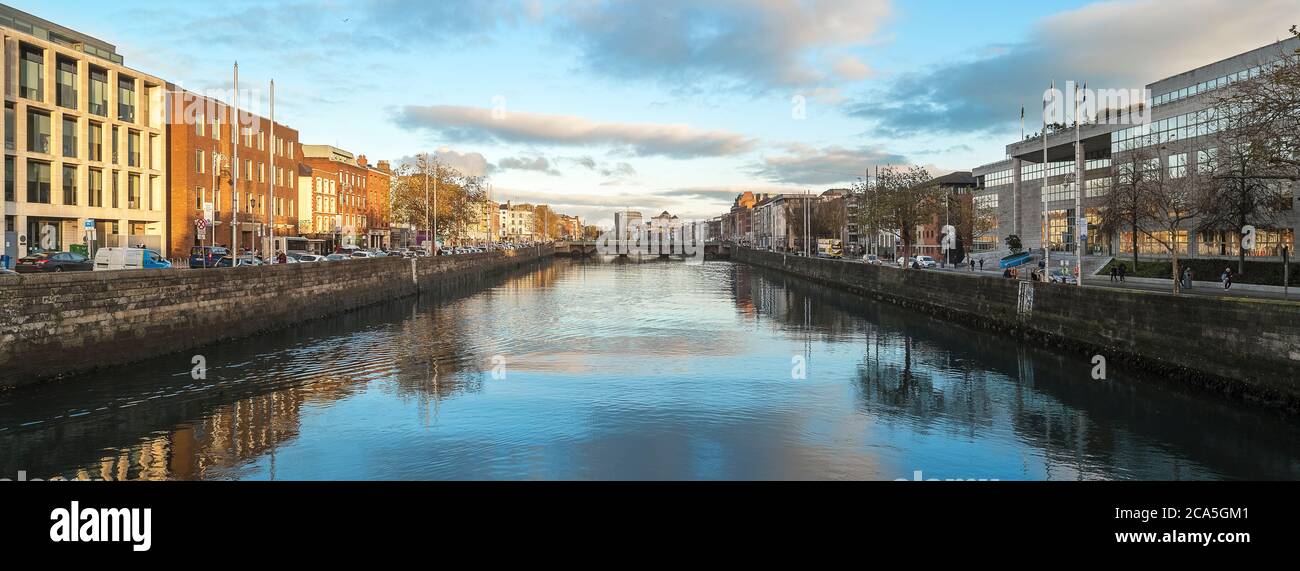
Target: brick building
(378, 186)
(333, 195)
(200, 154)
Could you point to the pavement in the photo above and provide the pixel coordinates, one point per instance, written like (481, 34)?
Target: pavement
(1200, 288)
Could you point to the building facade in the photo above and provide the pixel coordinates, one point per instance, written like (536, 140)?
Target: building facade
(1034, 195)
(85, 143)
(260, 189)
(379, 189)
(333, 197)
(515, 223)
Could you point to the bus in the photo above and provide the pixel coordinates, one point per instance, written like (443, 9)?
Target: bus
(291, 244)
(830, 248)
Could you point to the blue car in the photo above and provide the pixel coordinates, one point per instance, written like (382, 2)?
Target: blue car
(207, 256)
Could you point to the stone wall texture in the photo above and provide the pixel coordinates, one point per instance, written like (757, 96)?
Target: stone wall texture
(1247, 348)
(53, 325)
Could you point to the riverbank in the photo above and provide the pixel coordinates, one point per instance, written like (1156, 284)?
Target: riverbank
(1245, 349)
(53, 325)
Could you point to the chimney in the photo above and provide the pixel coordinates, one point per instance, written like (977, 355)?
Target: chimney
(383, 166)
(361, 160)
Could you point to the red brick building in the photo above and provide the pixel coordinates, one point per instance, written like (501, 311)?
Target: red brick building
(200, 153)
(334, 197)
(379, 182)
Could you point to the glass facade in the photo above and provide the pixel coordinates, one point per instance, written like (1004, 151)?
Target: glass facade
(1177, 128)
(98, 103)
(95, 188)
(126, 99)
(66, 83)
(1211, 84)
(31, 73)
(38, 132)
(69, 137)
(95, 141)
(70, 185)
(38, 182)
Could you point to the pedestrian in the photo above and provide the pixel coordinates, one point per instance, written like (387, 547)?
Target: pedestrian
(1123, 269)
(981, 264)
(1114, 273)
(281, 258)
(1226, 278)
(1190, 277)
(972, 264)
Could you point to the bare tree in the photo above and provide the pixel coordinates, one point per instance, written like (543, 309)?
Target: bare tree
(1123, 206)
(1171, 198)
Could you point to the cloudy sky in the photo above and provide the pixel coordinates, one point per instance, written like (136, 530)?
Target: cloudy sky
(669, 104)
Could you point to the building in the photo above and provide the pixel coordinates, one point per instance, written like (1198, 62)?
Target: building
(333, 195)
(736, 223)
(1034, 197)
(627, 224)
(201, 172)
(572, 227)
(85, 142)
(515, 223)
(379, 188)
(927, 239)
(486, 227)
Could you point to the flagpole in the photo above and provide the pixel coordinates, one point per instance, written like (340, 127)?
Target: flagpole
(1044, 230)
(270, 176)
(234, 178)
(1080, 219)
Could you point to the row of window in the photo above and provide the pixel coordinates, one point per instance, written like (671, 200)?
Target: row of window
(254, 202)
(218, 161)
(250, 139)
(31, 84)
(1177, 128)
(1215, 83)
(40, 138)
(40, 188)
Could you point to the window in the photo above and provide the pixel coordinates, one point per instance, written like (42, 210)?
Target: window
(31, 73)
(116, 145)
(69, 137)
(199, 195)
(116, 190)
(70, 185)
(94, 141)
(200, 162)
(261, 172)
(1178, 165)
(1207, 161)
(10, 125)
(66, 83)
(133, 191)
(98, 104)
(126, 99)
(10, 174)
(38, 132)
(38, 182)
(248, 169)
(95, 188)
(133, 148)
(200, 123)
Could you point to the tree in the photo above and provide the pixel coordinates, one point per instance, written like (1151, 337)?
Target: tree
(456, 205)
(1258, 148)
(899, 201)
(1123, 205)
(1014, 244)
(1171, 197)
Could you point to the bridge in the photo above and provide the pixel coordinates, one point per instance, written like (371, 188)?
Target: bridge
(713, 249)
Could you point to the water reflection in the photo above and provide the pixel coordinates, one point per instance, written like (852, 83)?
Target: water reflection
(644, 371)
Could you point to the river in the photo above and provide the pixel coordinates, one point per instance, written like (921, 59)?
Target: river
(655, 370)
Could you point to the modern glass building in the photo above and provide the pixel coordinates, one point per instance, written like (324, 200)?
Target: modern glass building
(1035, 195)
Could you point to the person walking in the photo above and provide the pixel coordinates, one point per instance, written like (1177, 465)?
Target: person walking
(1114, 273)
(972, 264)
(1123, 269)
(981, 264)
(1226, 278)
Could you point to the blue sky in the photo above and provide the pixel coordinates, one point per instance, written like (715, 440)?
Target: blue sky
(669, 104)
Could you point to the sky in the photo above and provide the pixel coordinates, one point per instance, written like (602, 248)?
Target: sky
(679, 105)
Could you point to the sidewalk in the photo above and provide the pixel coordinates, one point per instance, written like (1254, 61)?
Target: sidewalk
(1200, 288)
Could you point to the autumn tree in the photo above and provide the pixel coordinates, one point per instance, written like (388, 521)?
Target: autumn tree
(898, 201)
(426, 190)
(1171, 198)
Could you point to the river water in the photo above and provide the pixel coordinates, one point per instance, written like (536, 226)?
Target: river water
(656, 370)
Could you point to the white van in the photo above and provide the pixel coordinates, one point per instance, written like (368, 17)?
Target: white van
(129, 259)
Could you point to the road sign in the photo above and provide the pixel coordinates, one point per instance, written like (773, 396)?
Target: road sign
(200, 223)
(207, 211)
(90, 223)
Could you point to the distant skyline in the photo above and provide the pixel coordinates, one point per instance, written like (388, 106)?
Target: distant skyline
(673, 105)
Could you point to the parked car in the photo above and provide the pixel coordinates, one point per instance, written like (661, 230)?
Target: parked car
(207, 256)
(919, 261)
(361, 254)
(301, 257)
(129, 259)
(871, 259)
(54, 262)
(239, 261)
(337, 257)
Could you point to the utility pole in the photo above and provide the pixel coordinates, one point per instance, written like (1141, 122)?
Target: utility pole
(426, 193)
(1045, 232)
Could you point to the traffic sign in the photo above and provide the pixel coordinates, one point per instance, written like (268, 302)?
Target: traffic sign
(90, 223)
